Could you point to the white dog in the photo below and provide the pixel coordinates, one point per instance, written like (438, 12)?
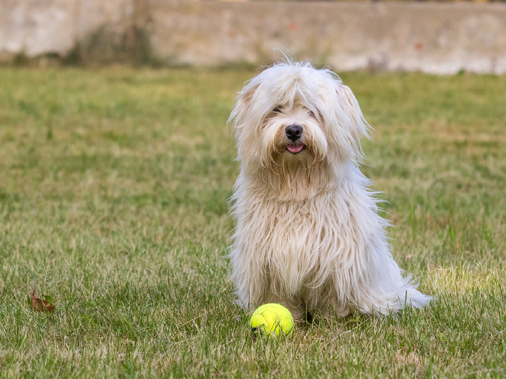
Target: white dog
(308, 234)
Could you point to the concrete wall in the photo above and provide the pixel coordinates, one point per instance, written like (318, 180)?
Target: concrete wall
(429, 37)
(39, 27)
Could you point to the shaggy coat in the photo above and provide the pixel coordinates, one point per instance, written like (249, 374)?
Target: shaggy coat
(308, 232)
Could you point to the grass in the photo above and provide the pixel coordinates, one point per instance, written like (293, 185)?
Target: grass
(113, 200)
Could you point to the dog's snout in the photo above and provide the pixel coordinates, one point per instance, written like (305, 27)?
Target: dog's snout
(293, 132)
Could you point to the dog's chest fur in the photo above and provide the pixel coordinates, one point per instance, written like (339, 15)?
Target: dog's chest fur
(299, 244)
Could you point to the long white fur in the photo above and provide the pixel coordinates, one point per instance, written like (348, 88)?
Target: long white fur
(308, 233)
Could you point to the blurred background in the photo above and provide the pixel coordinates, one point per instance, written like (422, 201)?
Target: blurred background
(439, 38)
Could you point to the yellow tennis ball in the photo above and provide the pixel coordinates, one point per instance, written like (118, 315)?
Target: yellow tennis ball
(273, 319)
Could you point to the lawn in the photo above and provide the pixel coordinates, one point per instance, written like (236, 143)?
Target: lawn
(114, 187)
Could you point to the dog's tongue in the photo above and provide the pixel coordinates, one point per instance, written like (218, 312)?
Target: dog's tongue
(294, 149)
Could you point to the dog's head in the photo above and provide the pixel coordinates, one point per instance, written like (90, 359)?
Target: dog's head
(296, 126)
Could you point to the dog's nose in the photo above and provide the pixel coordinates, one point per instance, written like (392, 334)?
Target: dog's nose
(293, 132)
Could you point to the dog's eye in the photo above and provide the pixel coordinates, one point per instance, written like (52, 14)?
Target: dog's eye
(277, 110)
(311, 113)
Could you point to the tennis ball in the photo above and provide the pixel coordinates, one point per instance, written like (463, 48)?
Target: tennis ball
(273, 319)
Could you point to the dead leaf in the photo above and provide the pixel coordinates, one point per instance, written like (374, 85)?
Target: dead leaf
(40, 305)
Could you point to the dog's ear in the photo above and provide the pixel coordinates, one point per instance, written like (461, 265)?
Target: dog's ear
(242, 106)
(350, 119)
(349, 103)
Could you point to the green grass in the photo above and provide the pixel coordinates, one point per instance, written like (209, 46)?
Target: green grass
(113, 199)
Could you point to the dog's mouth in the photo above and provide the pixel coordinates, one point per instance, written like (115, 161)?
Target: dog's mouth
(294, 149)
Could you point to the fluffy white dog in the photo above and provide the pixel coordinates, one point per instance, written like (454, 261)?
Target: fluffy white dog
(308, 234)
